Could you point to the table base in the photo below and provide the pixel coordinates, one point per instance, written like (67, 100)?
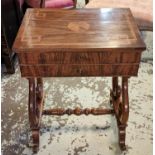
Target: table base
(118, 99)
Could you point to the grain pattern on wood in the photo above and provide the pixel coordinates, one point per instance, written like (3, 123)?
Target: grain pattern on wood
(86, 42)
(131, 56)
(73, 30)
(79, 70)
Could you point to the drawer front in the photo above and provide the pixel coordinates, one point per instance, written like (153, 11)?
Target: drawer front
(39, 71)
(40, 58)
(79, 70)
(79, 58)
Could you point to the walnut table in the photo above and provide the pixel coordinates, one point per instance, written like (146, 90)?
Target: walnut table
(85, 42)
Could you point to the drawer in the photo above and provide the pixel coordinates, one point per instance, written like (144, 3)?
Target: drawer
(79, 70)
(80, 57)
(101, 58)
(40, 58)
(119, 70)
(38, 71)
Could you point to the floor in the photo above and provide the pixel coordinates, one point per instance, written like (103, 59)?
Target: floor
(79, 135)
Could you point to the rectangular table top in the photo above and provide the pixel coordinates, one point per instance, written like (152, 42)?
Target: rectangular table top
(78, 30)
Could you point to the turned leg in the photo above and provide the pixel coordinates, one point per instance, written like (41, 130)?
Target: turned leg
(125, 101)
(115, 86)
(33, 120)
(40, 98)
(120, 101)
(115, 94)
(123, 113)
(32, 103)
(35, 109)
(40, 88)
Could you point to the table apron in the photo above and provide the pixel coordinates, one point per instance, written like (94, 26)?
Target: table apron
(104, 57)
(67, 70)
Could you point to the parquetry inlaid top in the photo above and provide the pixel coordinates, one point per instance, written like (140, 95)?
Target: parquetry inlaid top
(58, 30)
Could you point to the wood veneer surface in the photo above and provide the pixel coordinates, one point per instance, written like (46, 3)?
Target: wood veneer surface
(77, 30)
